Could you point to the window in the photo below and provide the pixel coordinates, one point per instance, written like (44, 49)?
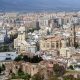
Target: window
(60, 44)
(52, 45)
(57, 45)
(47, 45)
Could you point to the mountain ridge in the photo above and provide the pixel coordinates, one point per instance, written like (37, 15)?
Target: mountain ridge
(32, 5)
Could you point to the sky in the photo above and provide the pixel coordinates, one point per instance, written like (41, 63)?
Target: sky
(35, 5)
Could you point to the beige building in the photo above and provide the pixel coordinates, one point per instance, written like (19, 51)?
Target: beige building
(51, 43)
(67, 52)
(59, 43)
(21, 44)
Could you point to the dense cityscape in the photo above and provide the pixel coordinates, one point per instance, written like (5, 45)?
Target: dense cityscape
(40, 46)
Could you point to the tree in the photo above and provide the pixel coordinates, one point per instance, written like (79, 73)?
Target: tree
(38, 46)
(19, 58)
(36, 59)
(37, 77)
(69, 77)
(3, 67)
(71, 67)
(59, 70)
(0, 69)
(12, 37)
(26, 59)
(4, 47)
(54, 78)
(21, 75)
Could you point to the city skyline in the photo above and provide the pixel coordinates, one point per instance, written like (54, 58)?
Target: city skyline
(39, 39)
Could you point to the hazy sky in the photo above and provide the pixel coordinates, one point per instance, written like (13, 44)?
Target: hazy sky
(14, 5)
